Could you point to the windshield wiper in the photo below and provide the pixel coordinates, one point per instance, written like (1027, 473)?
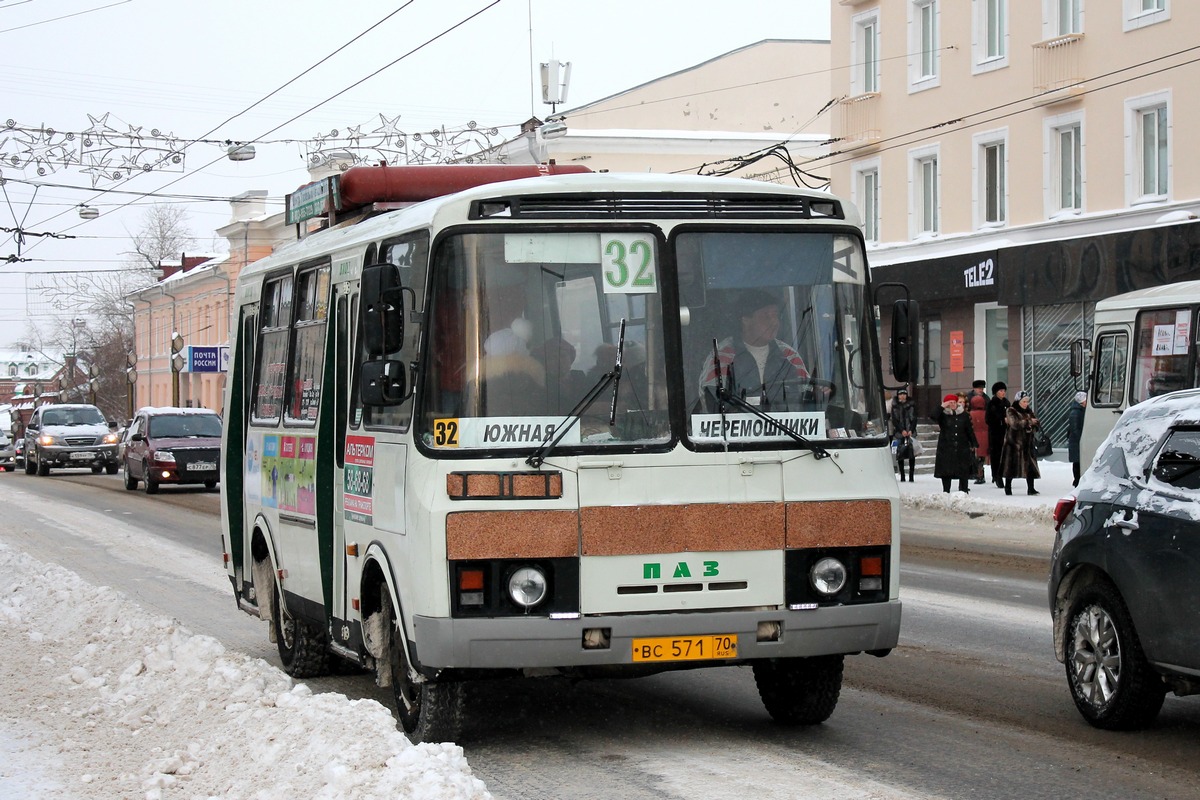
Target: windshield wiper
(613, 376)
(725, 396)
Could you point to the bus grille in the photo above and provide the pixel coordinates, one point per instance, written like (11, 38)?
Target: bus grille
(687, 206)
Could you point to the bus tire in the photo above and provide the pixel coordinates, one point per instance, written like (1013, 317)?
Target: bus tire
(303, 648)
(427, 711)
(799, 691)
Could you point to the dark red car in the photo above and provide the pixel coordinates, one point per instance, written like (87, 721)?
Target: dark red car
(172, 445)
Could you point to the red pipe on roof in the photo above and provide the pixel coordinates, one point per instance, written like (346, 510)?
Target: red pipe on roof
(360, 186)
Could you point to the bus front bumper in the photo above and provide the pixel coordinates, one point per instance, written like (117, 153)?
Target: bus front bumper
(538, 642)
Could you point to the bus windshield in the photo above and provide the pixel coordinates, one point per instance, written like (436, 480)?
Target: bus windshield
(524, 324)
(780, 321)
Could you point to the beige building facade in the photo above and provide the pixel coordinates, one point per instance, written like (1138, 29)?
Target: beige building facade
(191, 306)
(1014, 162)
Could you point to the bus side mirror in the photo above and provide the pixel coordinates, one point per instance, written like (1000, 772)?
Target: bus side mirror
(1077, 357)
(383, 309)
(905, 314)
(383, 383)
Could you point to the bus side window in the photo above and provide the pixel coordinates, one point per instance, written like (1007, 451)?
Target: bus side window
(308, 351)
(1111, 357)
(270, 372)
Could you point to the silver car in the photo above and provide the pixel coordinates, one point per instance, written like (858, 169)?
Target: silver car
(69, 435)
(7, 452)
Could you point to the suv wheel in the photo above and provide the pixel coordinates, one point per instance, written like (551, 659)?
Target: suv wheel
(43, 469)
(1112, 682)
(30, 467)
(110, 469)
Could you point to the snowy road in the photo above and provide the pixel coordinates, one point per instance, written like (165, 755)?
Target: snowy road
(972, 704)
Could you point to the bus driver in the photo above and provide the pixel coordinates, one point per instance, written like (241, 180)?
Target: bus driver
(757, 366)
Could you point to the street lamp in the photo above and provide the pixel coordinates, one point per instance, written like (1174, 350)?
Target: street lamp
(177, 364)
(88, 212)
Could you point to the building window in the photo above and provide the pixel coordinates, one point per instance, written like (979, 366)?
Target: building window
(991, 34)
(991, 179)
(1140, 13)
(924, 58)
(866, 197)
(1064, 164)
(1152, 136)
(1147, 149)
(1069, 17)
(925, 195)
(865, 78)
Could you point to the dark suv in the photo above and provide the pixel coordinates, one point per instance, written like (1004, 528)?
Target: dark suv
(1124, 592)
(172, 445)
(69, 435)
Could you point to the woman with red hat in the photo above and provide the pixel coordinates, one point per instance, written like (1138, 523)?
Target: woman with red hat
(956, 444)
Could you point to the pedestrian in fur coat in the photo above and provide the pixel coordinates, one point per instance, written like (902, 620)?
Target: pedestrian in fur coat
(956, 444)
(1019, 460)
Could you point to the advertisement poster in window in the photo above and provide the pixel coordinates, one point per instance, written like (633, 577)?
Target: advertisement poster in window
(956, 351)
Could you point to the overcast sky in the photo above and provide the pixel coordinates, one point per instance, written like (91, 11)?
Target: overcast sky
(129, 67)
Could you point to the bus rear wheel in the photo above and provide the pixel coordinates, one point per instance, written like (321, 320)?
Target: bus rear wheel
(303, 648)
(428, 712)
(799, 691)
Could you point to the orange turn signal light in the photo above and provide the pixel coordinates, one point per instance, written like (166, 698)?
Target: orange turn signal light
(470, 580)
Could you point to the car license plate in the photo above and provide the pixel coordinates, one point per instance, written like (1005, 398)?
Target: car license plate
(685, 648)
(202, 466)
(83, 456)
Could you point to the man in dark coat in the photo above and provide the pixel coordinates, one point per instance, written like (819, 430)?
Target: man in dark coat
(997, 425)
(956, 444)
(1075, 433)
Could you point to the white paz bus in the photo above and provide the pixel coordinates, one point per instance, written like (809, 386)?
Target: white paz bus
(1144, 345)
(579, 425)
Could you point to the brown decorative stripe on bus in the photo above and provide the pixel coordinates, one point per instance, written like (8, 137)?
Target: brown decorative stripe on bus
(511, 534)
(703, 527)
(504, 485)
(839, 523)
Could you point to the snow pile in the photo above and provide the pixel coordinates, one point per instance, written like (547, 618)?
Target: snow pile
(987, 500)
(102, 700)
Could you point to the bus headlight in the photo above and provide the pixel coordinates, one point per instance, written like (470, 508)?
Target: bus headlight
(527, 587)
(828, 576)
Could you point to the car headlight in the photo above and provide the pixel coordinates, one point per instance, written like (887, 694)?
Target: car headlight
(164, 456)
(110, 438)
(828, 576)
(527, 587)
(46, 440)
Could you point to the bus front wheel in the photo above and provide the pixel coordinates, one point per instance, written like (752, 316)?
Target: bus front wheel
(302, 646)
(428, 712)
(799, 691)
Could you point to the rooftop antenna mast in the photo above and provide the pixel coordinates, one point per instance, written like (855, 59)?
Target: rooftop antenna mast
(556, 77)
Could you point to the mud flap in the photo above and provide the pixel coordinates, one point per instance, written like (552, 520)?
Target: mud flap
(264, 589)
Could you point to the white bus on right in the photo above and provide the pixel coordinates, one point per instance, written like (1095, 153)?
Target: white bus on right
(1144, 345)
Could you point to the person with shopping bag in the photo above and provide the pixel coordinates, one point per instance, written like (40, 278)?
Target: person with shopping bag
(1019, 459)
(904, 431)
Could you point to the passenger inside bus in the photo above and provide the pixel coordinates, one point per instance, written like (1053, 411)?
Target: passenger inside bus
(755, 364)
